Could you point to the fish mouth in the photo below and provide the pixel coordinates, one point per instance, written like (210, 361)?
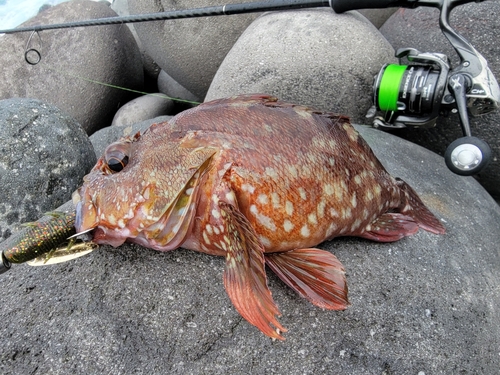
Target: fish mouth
(86, 216)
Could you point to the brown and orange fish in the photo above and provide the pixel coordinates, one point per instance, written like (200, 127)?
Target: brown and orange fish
(259, 182)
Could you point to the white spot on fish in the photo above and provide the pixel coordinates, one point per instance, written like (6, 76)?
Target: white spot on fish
(289, 208)
(334, 212)
(215, 198)
(209, 229)
(357, 179)
(321, 209)
(312, 219)
(368, 196)
(263, 199)
(262, 219)
(248, 188)
(216, 231)
(205, 238)
(328, 189)
(293, 171)
(304, 231)
(216, 214)
(354, 201)
(331, 229)
(355, 225)
(287, 225)
(271, 172)
(121, 223)
(331, 161)
(265, 241)
(224, 247)
(302, 193)
(189, 191)
(275, 198)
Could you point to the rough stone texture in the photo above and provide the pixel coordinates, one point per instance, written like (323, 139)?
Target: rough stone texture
(70, 58)
(314, 57)
(102, 138)
(143, 108)
(478, 23)
(426, 304)
(44, 155)
(189, 50)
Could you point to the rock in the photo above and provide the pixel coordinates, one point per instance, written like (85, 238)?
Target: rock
(378, 16)
(478, 23)
(44, 156)
(143, 108)
(170, 87)
(189, 50)
(151, 69)
(425, 304)
(102, 138)
(71, 60)
(313, 57)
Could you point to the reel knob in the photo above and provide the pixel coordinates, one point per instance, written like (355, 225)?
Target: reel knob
(467, 156)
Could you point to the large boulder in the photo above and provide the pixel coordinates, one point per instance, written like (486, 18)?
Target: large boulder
(189, 50)
(315, 57)
(44, 156)
(73, 64)
(479, 23)
(427, 304)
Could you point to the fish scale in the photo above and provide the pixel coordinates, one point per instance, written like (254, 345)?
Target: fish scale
(258, 181)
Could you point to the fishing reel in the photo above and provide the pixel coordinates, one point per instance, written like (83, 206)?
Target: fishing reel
(414, 95)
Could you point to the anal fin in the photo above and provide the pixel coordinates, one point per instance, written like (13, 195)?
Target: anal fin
(245, 277)
(316, 275)
(390, 227)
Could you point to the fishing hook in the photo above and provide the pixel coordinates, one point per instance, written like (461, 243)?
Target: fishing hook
(32, 55)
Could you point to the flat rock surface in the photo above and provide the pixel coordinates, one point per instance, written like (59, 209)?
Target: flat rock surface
(427, 304)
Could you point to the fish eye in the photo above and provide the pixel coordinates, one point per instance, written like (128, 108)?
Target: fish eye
(116, 158)
(116, 164)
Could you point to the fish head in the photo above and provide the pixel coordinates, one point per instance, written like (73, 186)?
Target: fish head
(143, 189)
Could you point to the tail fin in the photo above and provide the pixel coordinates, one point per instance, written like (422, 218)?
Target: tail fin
(412, 205)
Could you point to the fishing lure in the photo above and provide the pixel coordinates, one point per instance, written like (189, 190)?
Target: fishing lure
(45, 242)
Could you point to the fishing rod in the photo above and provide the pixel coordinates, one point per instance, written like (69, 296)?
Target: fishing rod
(408, 95)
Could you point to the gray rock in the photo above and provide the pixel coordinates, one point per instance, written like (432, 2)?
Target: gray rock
(315, 57)
(151, 69)
(189, 50)
(478, 23)
(170, 87)
(143, 108)
(102, 138)
(378, 16)
(44, 156)
(426, 304)
(72, 61)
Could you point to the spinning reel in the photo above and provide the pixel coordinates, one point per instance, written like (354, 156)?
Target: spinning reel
(414, 95)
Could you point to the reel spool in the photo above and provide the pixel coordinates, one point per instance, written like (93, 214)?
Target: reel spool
(413, 95)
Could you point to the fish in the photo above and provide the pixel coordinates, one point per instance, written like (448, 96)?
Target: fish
(258, 181)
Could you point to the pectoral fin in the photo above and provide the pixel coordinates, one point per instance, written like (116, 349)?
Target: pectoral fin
(245, 277)
(316, 275)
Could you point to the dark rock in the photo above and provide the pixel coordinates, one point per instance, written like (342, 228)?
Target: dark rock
(313, 57)
(423, 305)
(72, 60)
(102, 138)
(478, 23)
(189, 50)
(143, 108)
(44, 156)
